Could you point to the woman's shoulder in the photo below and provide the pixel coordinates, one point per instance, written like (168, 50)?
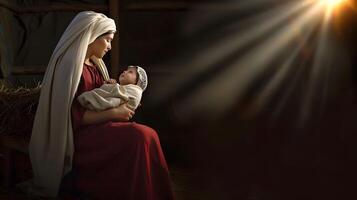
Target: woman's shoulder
(92, 76)
(90, 69)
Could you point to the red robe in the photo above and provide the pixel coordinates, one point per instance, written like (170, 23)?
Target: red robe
(116, 160)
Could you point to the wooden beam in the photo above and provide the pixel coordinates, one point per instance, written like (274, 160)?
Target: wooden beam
(201, 6)
(114, 60)
(9, 145)
(28, 70)
(17, 143)
(64, 8)
(157, 6)
(12, 7)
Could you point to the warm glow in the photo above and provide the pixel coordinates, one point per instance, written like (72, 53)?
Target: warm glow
(333, 7)
(332, 2)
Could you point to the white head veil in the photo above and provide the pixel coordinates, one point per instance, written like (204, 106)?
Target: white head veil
(142, 77)
(51, 144)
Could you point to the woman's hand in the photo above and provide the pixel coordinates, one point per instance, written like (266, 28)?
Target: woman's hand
(110, 81)
(122, 113)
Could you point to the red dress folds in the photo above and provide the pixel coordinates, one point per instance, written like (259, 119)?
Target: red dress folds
(116, 160)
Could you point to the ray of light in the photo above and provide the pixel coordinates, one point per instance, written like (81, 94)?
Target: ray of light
(290, 89)
(332, 3)
(319, 70)
(279, 77)
(318, 86)
(254, 29)
(228, 87)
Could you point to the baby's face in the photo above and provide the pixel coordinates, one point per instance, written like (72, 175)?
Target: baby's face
(128, 76)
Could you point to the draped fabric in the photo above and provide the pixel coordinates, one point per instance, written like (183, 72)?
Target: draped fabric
(114, 160)
(110, 96)
(51, 145)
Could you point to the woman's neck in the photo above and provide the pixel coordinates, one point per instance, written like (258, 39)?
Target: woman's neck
(87, 61)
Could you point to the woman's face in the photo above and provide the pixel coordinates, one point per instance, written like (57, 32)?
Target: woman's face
(101, 45)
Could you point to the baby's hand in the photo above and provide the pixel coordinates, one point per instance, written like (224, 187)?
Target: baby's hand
(110, 81)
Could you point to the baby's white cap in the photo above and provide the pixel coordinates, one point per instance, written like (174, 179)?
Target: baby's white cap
(142, 78)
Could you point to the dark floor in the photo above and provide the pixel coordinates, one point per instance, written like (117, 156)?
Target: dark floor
(181, 182)
(10, 194)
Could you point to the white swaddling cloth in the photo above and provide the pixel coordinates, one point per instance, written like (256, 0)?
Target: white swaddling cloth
(110, 96)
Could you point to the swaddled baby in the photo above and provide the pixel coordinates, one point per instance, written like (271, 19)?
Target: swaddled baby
(132, 82)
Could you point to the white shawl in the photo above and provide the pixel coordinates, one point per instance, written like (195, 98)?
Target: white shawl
(51, 145)
(111, 96)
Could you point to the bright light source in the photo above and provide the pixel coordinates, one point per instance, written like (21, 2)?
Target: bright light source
(332, 3)
(333, 7)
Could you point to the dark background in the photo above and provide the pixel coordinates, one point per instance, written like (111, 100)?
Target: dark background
(238, 155)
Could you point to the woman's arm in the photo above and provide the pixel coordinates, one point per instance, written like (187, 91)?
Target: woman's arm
(120, 113)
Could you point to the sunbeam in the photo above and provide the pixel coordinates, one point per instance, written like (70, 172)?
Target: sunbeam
(252, 59)
(318, 69)
(280, 76)
(227, 88)
(332, 3)
(333, 6)
(240, 34)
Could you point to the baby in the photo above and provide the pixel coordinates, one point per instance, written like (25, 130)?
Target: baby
(132, 83)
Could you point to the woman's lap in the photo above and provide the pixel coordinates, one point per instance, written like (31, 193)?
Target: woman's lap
(107, 141)
(118, 159)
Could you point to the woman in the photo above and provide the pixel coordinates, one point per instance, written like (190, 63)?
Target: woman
(109, 157)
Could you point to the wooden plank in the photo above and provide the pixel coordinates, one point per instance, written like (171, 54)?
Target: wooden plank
(29, 70)
(114, 60)
(64, 8)
(7, 165)
(7, 5)
(157, 6)
(18, 143)
(200, 6)
(54, 7)
(9, 145)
